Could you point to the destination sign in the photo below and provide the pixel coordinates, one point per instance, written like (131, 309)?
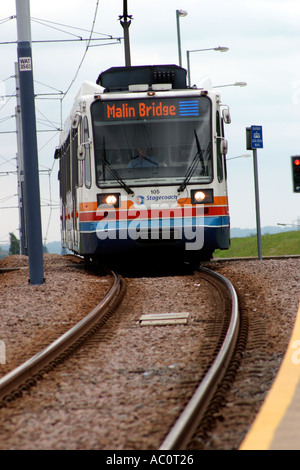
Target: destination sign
(150, 109)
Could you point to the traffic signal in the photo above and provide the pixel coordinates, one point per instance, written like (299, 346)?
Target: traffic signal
(296, 173)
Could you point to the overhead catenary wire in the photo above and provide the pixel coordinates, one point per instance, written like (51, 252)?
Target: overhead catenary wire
(54, 25)
(74, 33)
(85, 52)
(68, 89)
(41, 21)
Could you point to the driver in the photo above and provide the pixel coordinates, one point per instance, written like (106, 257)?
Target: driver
(142, 160)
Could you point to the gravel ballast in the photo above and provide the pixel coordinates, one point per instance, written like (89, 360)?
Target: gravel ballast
(148, 364)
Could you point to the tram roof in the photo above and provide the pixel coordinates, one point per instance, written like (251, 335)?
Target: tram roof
(120, 78)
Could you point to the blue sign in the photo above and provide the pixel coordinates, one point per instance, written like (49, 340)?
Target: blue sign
(256, 137)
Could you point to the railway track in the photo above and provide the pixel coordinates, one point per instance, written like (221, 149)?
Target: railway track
(21, 379)
(181, 433)
(150, 367)
(13, 384)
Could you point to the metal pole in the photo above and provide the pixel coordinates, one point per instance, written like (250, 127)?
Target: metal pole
(188, 67)
(125, 25)
(20, 168)
(178, 38)
(30, 155)
(258, 228)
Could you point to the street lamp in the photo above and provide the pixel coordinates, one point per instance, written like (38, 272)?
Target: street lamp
(241, 84)
(179, 14)
(246, 155)
(219, 49)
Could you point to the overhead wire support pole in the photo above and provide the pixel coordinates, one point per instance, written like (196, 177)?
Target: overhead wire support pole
(30, 153)
(20, 170)
(125, 25)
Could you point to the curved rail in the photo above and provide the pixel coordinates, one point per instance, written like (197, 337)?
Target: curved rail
(190, 418)
(26, 375)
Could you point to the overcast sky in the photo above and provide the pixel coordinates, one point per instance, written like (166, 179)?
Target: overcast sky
(263, 40)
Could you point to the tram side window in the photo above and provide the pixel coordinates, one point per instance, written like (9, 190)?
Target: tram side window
(74, 159)
(64, 170)
(64, 174)
(66, 160)
(219, 155)
(87, 160)
(62, 180)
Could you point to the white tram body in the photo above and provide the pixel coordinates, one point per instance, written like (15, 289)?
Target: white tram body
(142, 163)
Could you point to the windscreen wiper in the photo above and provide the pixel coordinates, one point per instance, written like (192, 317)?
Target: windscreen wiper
(194, 163)
(114, 173)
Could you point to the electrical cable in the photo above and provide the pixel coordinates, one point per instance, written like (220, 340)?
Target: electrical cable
(85, 52)
(88, 45)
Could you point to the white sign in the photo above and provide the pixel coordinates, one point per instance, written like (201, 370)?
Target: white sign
(25, 64)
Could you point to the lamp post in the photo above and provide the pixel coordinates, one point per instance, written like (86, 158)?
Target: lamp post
(219, 49)
(296, 223)
(179, 14)
(246, 155)
(241, 84)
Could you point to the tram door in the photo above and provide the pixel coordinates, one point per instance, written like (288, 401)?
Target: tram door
(74, 186)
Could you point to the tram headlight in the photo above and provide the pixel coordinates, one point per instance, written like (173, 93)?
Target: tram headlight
(199, 196)
(111, 199)
(202, 196)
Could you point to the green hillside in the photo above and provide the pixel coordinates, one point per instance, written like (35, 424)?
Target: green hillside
(278, 244)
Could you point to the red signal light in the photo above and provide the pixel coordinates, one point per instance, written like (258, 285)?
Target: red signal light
(296, 173)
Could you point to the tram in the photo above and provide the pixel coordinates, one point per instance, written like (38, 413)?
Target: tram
(142, 163)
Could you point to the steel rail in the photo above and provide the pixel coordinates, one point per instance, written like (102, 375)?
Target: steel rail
(185, 426)
(26, 375)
